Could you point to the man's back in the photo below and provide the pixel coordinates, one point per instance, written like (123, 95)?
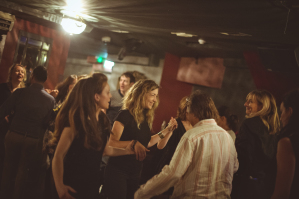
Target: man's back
(210, 160)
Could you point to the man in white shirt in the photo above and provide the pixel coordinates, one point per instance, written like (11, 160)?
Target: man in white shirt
(204, 161)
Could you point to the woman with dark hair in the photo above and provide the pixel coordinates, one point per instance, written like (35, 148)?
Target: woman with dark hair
(256, 147)
(81, 132)
(287, 178)
(65, 87)
(16, 79)
(228, 121)
(133, 122)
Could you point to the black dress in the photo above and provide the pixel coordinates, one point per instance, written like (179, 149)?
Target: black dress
(256, 150)
(122, 173)
(82, 165)
(291, 131)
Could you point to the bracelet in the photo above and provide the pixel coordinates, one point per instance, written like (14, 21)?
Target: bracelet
(133, 146)
(160, 134)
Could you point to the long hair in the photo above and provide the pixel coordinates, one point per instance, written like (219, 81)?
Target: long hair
(134, 101)
(81, 102)
(63, 88)
(182, 109)
(291, 100)
(11, 70)
(268, 113)
(231, 119)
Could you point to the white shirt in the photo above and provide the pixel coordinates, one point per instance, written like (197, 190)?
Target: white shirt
(232, 134)
(202, 166)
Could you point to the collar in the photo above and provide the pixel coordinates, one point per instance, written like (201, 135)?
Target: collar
(36, 85)
(120, 93)
(205, 122)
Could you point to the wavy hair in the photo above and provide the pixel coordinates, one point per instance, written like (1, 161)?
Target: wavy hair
(182, 109)
(268, 113)
(81, 102)
(63, 88)
(134, 101)
(11, 70)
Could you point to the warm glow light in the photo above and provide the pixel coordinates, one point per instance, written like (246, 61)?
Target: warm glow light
(73, 26)
(182, 34)
(75, 6)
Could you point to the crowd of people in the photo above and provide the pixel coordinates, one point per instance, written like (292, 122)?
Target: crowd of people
(53, 142)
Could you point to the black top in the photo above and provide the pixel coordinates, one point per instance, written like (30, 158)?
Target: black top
(292, 132)
(32, 107)
(4, 92)
(128, 163)
(170, 148)
(256, 150)
(82, 165)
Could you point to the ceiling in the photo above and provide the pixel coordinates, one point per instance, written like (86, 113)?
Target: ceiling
(229, 27)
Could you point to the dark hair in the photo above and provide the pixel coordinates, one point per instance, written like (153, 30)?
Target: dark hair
(129, 75)
(63, 88)
(231, 119)
(291, 100)
(202, 106)
(40, 74)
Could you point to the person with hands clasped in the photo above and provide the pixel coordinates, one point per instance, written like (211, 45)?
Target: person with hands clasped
(81, 133)
(133, 123)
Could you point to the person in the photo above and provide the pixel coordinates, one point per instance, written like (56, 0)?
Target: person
(256, 147)
(204, 161)
(125, 82)
(16, 79)
(228, 121)
(287, 178)
(81, 132)
(23, 143)
(64, 88)
(133, 122)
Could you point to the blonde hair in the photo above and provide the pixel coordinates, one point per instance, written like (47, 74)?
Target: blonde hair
(11, 70)
(268, 113)
(182, 109)
(134, 101)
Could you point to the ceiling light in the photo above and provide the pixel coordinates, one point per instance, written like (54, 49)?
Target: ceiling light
(201, 41)
(120, 31)
(73, 26)
(182, 34)
(108, 65)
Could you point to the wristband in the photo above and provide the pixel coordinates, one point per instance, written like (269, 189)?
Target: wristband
(161, 135)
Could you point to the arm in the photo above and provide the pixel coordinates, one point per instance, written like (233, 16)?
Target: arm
(167, 132)
(285, 169)
(170, 174)
(63, 146)
(111, 151)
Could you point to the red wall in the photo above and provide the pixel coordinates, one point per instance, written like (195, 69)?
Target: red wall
(171, 91)
(58, 56)
(275, 82)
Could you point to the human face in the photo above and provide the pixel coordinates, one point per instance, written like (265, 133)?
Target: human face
(71, 86)
(124, 84)
(252, 106)
(103, 99)
(150, 99)
(285, 114)
(18, 74)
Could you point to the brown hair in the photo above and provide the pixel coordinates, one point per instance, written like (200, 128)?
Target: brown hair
(81, 101)
(202, 106)
(268, 113)
(134, 100)
(182, 109)
(11, 70)
(63, 87)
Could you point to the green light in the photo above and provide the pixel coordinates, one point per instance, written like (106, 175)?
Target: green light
(100, 59)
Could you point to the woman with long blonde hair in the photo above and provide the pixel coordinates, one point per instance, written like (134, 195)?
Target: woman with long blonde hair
(256, 147)
(133, 123)
(81, 133)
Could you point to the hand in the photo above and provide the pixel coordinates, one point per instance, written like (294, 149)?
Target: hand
(63, 192)
(172, 125)
(54, 93)
(6, 118)
(129, 148)
(140, 151)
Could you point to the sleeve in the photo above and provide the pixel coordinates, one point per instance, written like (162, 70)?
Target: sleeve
(9, 104)
(124, 117)
(170, 174)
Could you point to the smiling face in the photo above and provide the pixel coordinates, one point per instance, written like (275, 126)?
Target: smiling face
(103, 99)
(18, 74)
(252, 105)
(286, 114)
(150, 99)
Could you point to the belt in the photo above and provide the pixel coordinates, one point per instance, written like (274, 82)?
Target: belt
(25, 134)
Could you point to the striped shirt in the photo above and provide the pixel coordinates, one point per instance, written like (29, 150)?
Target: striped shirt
(202, 166)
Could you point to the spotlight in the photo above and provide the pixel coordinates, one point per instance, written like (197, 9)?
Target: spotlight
(73, 26)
